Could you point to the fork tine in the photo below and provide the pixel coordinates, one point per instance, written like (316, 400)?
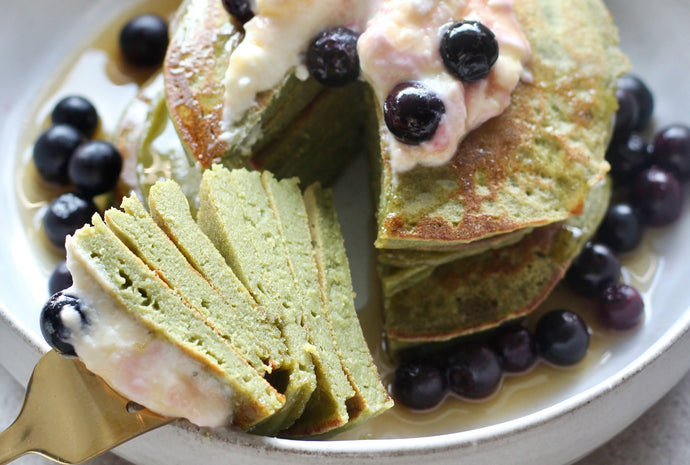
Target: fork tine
(70, 415)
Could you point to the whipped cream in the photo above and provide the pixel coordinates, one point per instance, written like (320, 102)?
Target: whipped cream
(138, 364)
(400, 41)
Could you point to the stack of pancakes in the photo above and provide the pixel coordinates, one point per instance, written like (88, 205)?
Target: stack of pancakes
(461, 247)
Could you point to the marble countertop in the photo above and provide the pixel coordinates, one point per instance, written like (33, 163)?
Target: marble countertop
(659, 437)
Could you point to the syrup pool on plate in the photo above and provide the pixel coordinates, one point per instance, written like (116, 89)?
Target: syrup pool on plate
(97, 72)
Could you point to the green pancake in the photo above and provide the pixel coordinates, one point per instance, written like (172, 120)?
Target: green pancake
(150, 147)
(437, 304)
(371, 397)
(276, 136)
(142, 295)
(240, 223)
(529, 167)
(236, 317)
(327, 409)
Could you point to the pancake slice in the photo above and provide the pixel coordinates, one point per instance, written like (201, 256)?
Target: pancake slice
(326, 410)
(171, 212)
(241, 224)
(235, 319)
(371, 397)
(97, 257)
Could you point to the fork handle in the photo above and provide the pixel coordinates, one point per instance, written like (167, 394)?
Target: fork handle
(15, 441)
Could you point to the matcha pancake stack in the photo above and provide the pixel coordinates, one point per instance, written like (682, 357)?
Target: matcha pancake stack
(477, 240)
(239, 289)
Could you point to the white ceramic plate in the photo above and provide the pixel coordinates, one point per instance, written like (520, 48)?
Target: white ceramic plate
(39, 36)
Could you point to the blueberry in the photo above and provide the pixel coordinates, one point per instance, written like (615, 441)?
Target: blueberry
(66, 214)
(60, 279)
(413, 112)
(418, 386)
(77, 112)
(516, 348)
(644, 97)
(627, 116)
(657, 195)
(144, 40)
(95, 167)
(620, 307)
(332, 57)
(52, 323)
(621, 228)
(672, 150)
(469, 49)
(473, 371)
(593, 270)
(53, 150)
(240, 9)
(562, 337)
(628, 156)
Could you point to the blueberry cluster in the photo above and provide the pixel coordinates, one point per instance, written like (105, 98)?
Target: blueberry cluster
(648, 185)
(64, 154)
(474, 369)
(648, 176)
(412, 111)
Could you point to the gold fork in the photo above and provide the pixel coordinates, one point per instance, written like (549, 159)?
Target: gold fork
(70, 415)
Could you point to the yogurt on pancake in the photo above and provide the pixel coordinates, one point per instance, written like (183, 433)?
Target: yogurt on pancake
(139, 365)
(399, 42)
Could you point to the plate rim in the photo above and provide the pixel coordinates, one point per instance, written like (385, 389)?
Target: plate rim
(666, 343)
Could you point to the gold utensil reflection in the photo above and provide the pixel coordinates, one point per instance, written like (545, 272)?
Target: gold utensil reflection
(70, 415)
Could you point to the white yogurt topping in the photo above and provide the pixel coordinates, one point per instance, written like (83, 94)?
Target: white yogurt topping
(139, 365)
(399, 42)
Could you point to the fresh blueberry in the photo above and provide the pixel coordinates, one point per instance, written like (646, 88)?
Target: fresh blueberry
(657, 195)
(620, 307)
(516, 348)
(60, 278)
(53, 150)
(562, 337)
(95, 167)
(672, 150)
(332, 57)
(627, 116)
(53, 327)
(77, 112)
(644, 97)
(474, 371)
(620, 229)
(144, 40)
(593, 270)
(66, 214)
(240, 9)
(418, 386)
(628, 156)
(413, 112)
(469, 49)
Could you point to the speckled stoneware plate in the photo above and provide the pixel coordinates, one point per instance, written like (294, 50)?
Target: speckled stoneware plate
(555, 424)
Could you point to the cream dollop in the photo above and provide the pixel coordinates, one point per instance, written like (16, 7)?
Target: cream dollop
(138, 364)
(399, 42)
